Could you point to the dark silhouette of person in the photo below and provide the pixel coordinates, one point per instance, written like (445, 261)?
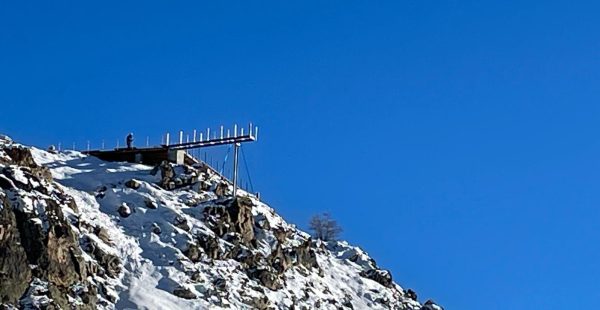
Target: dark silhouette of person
(129, 140)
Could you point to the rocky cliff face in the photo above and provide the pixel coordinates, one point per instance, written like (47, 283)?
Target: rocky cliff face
(76, 232)
(40, 258)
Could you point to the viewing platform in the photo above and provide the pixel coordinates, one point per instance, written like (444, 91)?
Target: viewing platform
(177, 153)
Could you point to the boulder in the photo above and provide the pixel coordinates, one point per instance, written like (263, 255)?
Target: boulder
(233, 238)
(104, 235)
(124, 210)
(259, 303)
(347, 301)
(245, 256)
(222, 189)
(4, 139)
(151, 204)
(167, 174)
(133, 184)
(100, 192)
(382, 277)
(430, 305)
(410, 294)
(220, 284)
(184, 292)
(181, 223)
(282, 259)
(262, 222)
(193, 252)
(266, 277)
(156, 229)
(196, 276)
(280, 234)
(210, 246)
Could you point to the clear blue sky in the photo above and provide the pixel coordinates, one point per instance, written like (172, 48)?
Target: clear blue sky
(458, 142)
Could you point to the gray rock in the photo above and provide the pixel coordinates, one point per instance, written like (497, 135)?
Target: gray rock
(156, 229)
(382, 277)
(167, 173)
(184, 292)
(133, 184)
(430, 305)
(410, 294)
(124, 210)
(210, 246)
(260, 303)
(150, 204)
(193, 252)
(266, 277)
(234, 218)
(103, 234)
(220, 284)
(181, 223)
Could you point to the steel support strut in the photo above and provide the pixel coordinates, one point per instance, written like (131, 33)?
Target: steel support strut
(236, 149)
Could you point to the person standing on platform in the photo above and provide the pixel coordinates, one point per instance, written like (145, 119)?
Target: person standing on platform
(129, 140)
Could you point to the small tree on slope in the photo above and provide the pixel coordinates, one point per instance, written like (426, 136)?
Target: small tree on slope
(324, 227)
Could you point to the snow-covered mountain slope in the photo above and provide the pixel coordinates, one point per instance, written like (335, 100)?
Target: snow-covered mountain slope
(78, 232)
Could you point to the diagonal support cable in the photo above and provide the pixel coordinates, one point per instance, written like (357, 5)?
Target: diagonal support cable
(225, 161)
(247, 170)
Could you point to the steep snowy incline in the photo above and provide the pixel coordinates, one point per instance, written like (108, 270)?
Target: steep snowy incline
(194, 247)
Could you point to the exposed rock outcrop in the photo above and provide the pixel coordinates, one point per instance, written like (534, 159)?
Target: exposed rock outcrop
(15, 273)
(382, 277)
(40, 251)
(21, 156)
(430, 305)
(236, 217)
(411, 294)
(110, 264)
